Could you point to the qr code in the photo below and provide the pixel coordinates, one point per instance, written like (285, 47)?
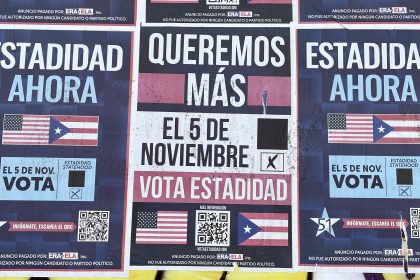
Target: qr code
(414, 217)
(93, 226)
(212, 228)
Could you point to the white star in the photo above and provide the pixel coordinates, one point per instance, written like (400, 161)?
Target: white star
(57, 130)
(381, 129)
(325, 223)
(247, 229)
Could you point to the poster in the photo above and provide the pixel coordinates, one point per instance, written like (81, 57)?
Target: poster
(211, 150)
(359, 11)
(359, 149)
(86, 12)
(218, 11)
(64, 132)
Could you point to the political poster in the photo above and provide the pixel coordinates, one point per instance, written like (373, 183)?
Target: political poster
(359, 150)
(86, 12)
(64, 132)
(358, 11)
(218, 11)
(211, 150)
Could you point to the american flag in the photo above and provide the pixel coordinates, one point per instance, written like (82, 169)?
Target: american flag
(50, 130)
(349, 128)
(374, 129)
(263, 229)
(162, 227)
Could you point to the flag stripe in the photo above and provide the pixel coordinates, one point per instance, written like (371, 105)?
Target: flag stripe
(72, 125)
(262, 242)
(407, 128)
(75, 142)
(411, 117)
(82, 119)
(142, 234)
(271, 223)
(399, 140)
(79, 136)
(281, 216)
(83, 130)
(164, 241)
(166, 230)
(275, 229)
(160, 240)
(270, 235)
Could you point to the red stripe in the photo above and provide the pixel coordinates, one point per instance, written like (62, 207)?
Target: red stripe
(5, 142)
(414, 117)
(161, 242)
(140, 230)
(11, 132)
(274, 229)
(333, 137)
(261, 216)
(406, 128)
(398, 140)
(83, 130)
(349, 141)
(26, 138)
(94, 119)
(75, 142)
(345, 133)
(173, 213)
(265, 242)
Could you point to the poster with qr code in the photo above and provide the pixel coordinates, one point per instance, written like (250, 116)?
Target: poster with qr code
(359, 151)
(64, 131)
(213, 175)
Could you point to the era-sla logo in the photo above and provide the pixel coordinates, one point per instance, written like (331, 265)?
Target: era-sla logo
(80, 11)
(399, 10)
(236, 257)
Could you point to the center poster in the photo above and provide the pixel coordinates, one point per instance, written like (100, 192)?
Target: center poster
(212, 174)
(359, 136)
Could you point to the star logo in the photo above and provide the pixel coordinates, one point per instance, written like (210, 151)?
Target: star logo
(381, 129)
(325, 223)
(57, 130)
(247, 229)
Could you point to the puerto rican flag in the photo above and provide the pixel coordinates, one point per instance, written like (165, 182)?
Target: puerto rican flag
(374, 129)
(263, 229)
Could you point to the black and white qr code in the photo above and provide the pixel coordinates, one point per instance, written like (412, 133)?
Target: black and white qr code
(93, 226)
(212, 228)
(414, 221)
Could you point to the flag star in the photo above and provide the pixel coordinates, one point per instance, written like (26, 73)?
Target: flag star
(57, 130)
(247, 229)
(381, 129)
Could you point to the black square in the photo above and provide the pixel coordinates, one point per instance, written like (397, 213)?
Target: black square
(272, 134)
(76, 179)
(404, 176)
